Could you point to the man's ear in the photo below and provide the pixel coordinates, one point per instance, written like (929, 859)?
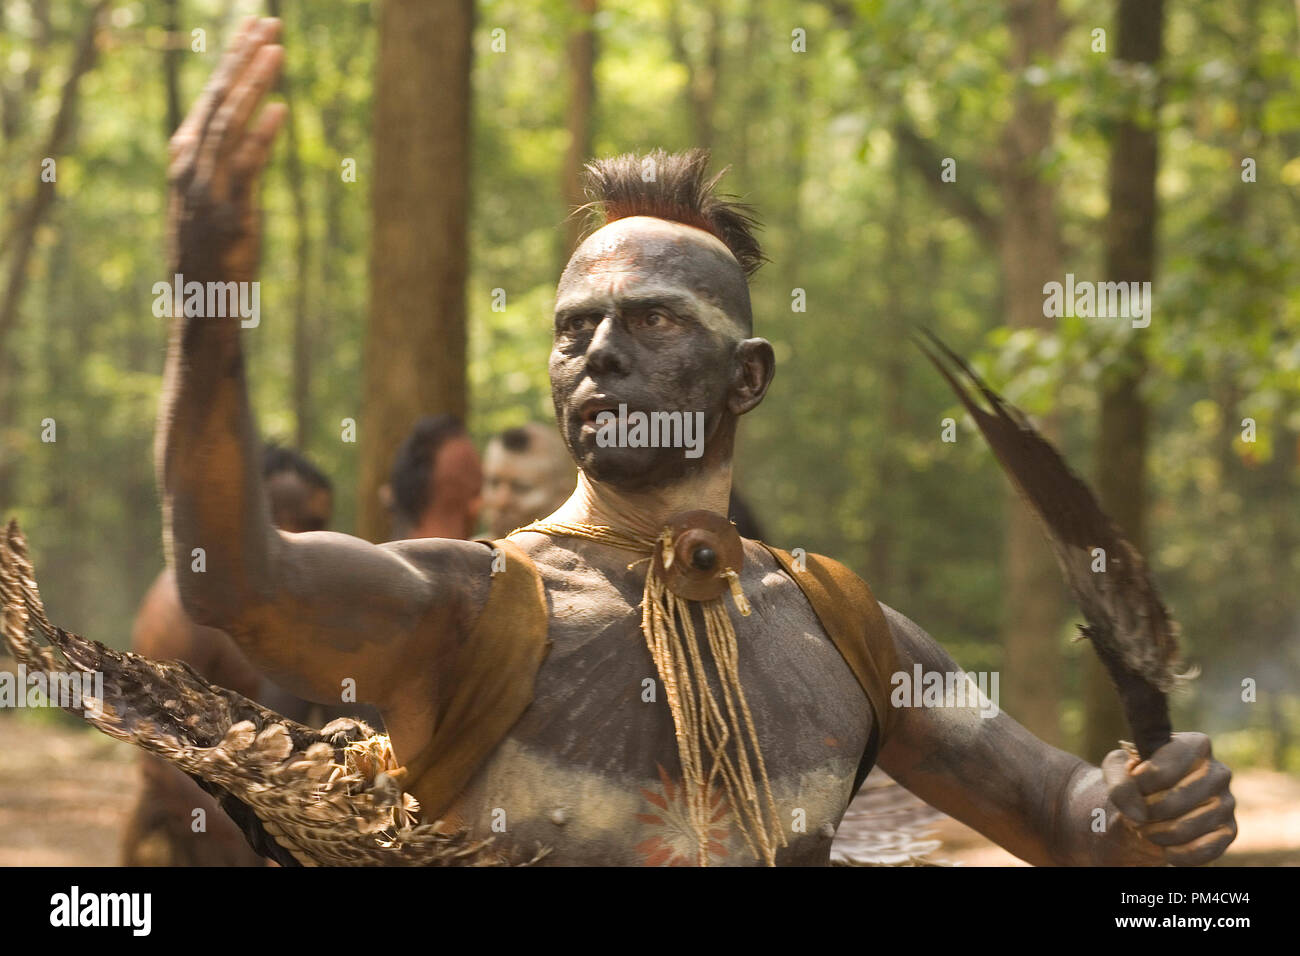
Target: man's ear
(755, 364)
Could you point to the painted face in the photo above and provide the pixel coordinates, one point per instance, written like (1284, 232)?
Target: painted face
(522, 486)
(648, 315)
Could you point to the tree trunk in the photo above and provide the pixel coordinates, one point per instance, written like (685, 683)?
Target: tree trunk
(1130, 257)
(10, 105)
(582, 100)
(331, 251)
(1285, 539)
(893, 323)
(16, 97)
(172, 65)
(1030, 253)
(419, 257)
(702, 77)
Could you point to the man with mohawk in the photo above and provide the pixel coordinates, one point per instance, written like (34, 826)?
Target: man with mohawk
(627, 682)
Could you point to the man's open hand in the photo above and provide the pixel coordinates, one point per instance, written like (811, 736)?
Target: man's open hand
(1178, 800)
(217, 157)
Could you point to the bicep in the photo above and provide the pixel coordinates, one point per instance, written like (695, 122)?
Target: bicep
(343, 616)
(974, 761)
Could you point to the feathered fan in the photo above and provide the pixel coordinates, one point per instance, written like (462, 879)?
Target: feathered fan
(301, 796)
(1130, 628)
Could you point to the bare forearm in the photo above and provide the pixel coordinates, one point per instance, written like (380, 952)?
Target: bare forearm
(1046, 806)
(216, 526)
(995, 777)
(1089, 831)
(1063, 816)
(215, 518)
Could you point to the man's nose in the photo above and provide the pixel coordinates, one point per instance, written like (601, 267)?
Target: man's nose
(607, 353)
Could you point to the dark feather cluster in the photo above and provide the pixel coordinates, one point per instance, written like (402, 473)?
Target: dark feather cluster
(284, 784)
(1128, 624)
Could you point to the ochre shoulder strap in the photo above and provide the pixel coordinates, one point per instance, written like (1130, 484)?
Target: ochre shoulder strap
(488, 685)
(490, 682)
(854, 622)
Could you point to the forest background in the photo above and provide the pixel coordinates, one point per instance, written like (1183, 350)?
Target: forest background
(915, 162)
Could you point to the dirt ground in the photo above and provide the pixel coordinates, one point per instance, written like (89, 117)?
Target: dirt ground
(1268, 828)
(65, 793)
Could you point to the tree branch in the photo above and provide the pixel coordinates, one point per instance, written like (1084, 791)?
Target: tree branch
(925, 159)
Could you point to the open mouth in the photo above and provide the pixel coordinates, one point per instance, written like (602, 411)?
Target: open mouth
(594, 407)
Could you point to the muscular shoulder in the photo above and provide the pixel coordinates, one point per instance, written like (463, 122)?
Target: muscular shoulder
(832, 587)
(457, 574)
(912, 641)
(443, 557)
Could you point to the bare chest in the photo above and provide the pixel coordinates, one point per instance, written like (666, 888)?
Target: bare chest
(591, 770)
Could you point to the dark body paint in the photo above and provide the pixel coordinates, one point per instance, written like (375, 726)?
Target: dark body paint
(591, 769)
(656, 321)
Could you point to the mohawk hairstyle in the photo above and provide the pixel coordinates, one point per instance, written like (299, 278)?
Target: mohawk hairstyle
(681, 191)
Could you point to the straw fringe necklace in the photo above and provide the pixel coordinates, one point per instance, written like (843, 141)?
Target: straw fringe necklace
(705, 725)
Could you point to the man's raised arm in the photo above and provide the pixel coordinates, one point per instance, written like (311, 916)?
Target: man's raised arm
(313, 609)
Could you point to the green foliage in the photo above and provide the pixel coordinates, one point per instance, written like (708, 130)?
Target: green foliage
(844, 457)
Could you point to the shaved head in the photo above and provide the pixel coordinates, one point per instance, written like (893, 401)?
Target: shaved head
(685, 259)
(675, 187)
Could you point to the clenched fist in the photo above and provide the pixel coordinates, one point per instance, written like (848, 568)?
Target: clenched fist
(1177, 802)
(217, 157)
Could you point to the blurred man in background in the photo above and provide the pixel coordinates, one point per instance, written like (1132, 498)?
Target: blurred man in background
(164, 829)
(436, 485)
(527, 474)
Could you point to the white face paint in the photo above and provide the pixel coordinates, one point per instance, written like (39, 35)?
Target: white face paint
(523, 486)
(649, 316)
(627, 254)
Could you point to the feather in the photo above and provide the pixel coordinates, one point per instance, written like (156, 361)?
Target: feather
(1130, 628)
(302, 797)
